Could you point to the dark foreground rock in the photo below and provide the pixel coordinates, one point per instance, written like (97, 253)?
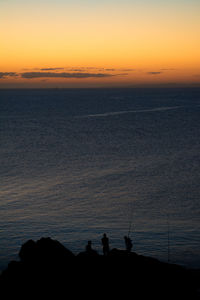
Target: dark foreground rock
(47, 268)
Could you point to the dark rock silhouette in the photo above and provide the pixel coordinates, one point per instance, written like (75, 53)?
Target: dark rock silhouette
(43, 251)
(47, 267)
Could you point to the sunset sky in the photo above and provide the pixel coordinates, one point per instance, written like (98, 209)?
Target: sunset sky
(99, 43)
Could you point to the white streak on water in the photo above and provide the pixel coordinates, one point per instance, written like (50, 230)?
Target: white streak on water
(115, 113)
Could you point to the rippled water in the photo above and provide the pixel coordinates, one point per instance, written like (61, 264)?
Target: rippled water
(77, 163)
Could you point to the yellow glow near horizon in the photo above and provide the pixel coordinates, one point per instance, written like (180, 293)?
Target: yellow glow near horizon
(146, 38)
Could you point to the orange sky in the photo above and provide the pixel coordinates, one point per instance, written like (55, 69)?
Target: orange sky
(99, 43)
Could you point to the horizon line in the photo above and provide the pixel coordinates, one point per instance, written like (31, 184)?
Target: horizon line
(105, 87)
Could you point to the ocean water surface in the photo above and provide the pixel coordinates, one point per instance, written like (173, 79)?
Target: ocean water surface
(75, 163)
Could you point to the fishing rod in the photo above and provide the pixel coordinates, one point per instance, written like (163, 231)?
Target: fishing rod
(168, 239)
(131, 221)
(129, 230)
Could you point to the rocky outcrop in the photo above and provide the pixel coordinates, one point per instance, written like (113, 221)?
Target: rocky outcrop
(47, 266)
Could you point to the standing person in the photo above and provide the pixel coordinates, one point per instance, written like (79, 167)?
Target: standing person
(105, 243)
(128, 244)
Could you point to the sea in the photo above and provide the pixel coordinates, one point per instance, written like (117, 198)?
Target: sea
(78, 163)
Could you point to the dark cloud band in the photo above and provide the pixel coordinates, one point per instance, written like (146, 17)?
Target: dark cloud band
(31, 75)
(7, 74)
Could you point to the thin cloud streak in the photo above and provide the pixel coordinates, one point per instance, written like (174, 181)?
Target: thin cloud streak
(51, 69)
(154, 73)
(82, 69)
(170, 69)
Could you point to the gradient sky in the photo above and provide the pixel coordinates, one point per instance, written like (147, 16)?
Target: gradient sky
(83, 43)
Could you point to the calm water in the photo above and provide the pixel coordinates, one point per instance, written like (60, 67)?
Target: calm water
(77, 163)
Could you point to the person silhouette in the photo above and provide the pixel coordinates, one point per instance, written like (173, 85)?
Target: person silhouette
(89, 251)
(105, 243)
(88, 247)
(128, 244)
